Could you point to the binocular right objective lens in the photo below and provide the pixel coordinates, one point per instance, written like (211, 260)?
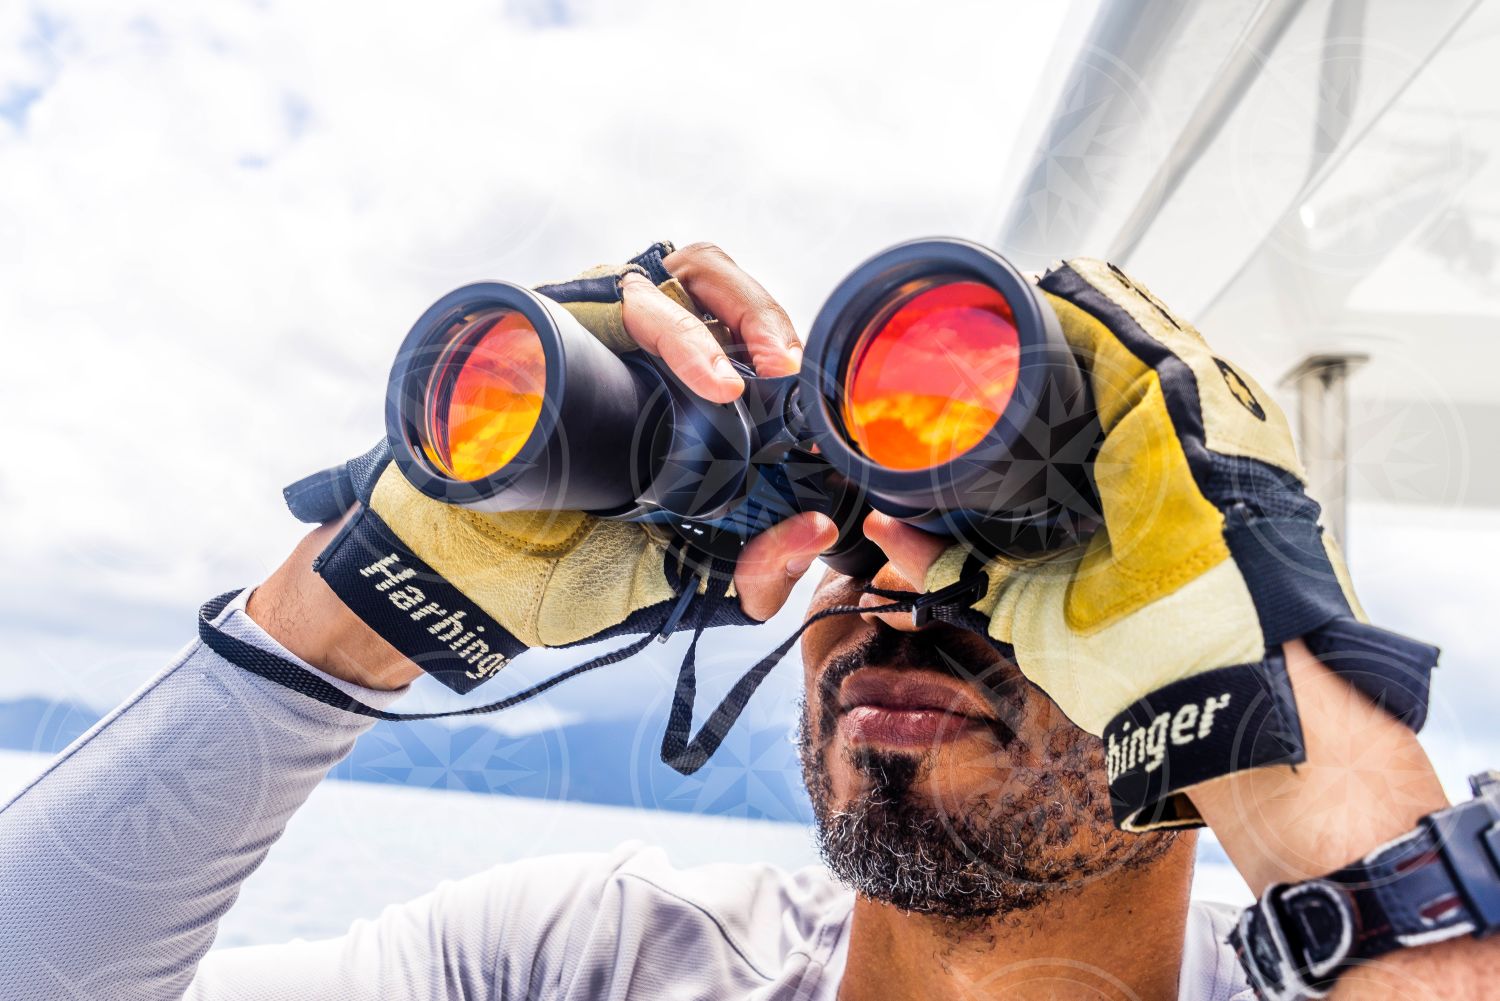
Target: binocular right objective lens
(930, 374)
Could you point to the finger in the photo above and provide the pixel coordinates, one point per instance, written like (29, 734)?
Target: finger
(664, 328)
(912, 552)
(720, 286)
(771, 563)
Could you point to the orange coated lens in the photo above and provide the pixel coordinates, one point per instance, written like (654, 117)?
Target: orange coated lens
(485, 394)
(925, 383)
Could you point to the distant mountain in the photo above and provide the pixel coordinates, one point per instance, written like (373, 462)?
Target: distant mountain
(42, 724)
(610, 761)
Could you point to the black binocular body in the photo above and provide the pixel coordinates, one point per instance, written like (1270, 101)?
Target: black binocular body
(936, 387)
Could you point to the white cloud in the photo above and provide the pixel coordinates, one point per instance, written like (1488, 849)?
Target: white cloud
(219, 220)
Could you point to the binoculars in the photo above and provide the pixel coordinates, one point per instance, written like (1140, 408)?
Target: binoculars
(936, 387)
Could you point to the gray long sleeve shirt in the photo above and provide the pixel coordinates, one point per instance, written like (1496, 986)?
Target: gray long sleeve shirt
(118, 860)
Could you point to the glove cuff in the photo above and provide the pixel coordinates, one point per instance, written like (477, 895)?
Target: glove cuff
(1298, 595)
(1198, 728)
(435, 625)
(412, 606)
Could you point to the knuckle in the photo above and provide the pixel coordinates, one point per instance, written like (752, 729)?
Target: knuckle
(685, 325)
(783, 323)
(704, 251)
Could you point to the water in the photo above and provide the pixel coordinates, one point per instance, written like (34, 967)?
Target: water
(355, 848)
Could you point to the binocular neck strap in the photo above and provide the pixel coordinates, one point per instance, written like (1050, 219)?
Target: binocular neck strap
(289, 674)
(680, 748)
(686, 754)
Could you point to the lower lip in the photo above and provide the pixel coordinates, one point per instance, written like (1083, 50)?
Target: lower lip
(907, 727)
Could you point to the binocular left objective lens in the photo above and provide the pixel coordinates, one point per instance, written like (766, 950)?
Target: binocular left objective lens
(499, 400)
(484, 395)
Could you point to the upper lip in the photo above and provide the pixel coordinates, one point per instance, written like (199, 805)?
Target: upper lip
(911, 690)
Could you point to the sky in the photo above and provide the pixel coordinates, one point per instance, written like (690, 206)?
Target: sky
(218, 220)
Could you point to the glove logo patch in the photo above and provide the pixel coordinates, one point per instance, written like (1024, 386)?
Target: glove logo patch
(1241, 390)
(413, 607)
(446, 626)
(1146, 747)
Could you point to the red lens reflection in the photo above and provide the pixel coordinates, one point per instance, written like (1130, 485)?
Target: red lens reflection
(485, 395)
(926, 384)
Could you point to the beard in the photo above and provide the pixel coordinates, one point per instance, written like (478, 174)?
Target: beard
(1001, 851)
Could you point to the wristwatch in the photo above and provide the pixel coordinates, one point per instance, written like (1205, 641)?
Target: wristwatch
(1438, 882)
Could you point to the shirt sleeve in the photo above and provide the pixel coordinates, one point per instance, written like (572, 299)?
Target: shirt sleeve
(517, 930)
(120, 857)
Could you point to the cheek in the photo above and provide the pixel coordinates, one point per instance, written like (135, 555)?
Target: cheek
(1048, 756)
(1062, 744)
(843, 780)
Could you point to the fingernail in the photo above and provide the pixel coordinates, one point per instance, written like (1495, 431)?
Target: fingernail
(724, 370)
(797, 565)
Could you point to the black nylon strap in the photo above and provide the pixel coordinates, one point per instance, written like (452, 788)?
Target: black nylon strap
(681, 751)
(289, 675)
(686, 754)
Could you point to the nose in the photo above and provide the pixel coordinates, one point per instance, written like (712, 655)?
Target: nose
(888, 579)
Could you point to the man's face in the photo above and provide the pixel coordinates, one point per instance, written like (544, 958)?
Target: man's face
(942, 781)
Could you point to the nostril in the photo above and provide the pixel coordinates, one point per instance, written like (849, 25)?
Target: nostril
(896, 620)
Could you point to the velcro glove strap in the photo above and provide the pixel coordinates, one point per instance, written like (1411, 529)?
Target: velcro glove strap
(1163, 635)
(329, 494)
(595, 296)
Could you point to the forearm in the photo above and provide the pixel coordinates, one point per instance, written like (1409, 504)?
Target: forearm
(302, 613)
(1366, 780)
(120, 858)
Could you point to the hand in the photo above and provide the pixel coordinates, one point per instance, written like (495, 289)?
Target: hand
(771, 563)
(1163, 634)
(457, 592)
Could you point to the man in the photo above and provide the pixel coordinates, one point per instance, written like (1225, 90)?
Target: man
(969, 826)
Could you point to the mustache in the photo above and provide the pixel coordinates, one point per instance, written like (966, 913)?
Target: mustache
(944, 649)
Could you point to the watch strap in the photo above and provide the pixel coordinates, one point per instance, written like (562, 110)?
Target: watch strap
(1439, 881)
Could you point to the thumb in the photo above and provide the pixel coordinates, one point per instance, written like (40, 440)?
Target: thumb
(771, 563)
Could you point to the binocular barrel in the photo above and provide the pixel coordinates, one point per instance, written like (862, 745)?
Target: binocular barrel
(937, 377)
(936, 387)
(499, 400)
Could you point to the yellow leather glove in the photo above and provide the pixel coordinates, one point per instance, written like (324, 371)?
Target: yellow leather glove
(1163, 634)
(461, 592)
